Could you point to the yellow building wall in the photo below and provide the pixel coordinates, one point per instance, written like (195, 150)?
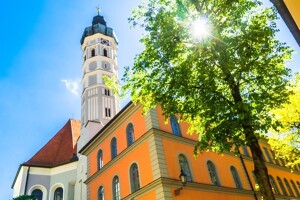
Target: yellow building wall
(140, 156)
(187, 194)
(172, 146)
(294, 8)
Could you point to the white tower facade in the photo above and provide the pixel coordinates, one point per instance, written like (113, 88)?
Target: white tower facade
(99, 104)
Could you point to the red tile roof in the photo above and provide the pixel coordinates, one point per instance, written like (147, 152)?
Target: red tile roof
(60, 149)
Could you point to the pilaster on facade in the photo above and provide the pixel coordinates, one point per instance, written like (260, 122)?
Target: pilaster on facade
(151, 119)
(164, 193)
(157, 156)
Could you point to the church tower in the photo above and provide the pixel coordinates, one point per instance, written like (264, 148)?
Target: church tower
(98, 103)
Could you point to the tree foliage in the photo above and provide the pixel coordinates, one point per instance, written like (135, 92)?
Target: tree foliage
(285, 140)
(224, 85)
(25, 197)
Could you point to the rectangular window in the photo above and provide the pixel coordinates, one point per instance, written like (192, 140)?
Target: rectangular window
(107, 112)
(107, 92)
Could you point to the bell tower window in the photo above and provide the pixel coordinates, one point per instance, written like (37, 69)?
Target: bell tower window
(106, 92)
(93, 53)
(105, 52)
(107, 112)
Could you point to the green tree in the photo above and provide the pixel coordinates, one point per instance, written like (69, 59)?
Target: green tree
(285, 140)
(25, 197)
(223, 85)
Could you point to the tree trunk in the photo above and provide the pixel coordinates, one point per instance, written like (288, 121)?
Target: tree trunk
(260, 169)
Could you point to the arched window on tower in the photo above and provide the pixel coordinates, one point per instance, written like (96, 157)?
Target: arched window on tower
(129, 134)
(281, 186)
(184, 165)
(175, 126)
(274, 185)
(58, 194)
(101, 193)
(213, 173)
(100, 159)
(116, 188)
(295, 188)
(113, 146)
(38, 194)
(236, 177)
(105, 52)
(134, 178)
(93, 52)
(289, 188)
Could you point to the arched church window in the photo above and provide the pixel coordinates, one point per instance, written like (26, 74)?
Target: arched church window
(38, 194)
(281, 186)
(295, 188)
(93, 53)
(116, 188)
(245, 150)
(213, 173)
(100, 159)
(236, 177)
(58, 194)
(289, 188)
(129, 134)
(134, 178)
(113, 146)
(274, 185)
(184, 165)
(175, 126)
(101, 193)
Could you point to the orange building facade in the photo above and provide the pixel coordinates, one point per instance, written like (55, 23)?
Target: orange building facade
(140, 157)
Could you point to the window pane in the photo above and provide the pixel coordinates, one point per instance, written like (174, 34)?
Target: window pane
(236, 177)
(281, 186)
(268, 154)
(213, 173)
(38, 194)
(289, 188)
(245, 150)
(116, 188)
(185, 167)
(295, 188)
(175, 126)
(129, 134)
(113, 146)
(100, 159)
(101, 193)
(274, 185)
(58, 194)
(134, 178)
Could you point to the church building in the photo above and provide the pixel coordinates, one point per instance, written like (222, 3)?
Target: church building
(115, 154)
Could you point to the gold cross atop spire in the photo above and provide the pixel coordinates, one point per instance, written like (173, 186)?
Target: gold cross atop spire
(98, 10)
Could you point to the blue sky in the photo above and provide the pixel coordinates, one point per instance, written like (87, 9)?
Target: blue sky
(40, 68)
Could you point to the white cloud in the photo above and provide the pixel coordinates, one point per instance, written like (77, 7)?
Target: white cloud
(71, 85)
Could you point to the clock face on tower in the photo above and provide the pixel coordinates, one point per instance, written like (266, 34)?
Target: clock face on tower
(105, 42)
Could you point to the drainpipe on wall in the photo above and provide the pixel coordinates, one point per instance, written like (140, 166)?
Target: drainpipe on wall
(248, 177)
(26, 183)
